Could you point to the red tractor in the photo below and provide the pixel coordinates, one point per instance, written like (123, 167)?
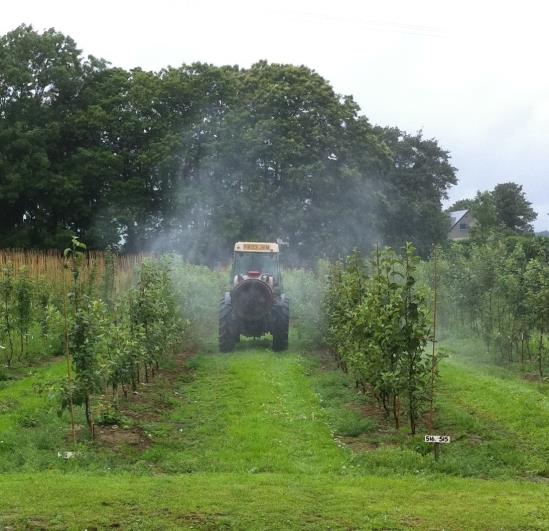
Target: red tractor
(256, 304)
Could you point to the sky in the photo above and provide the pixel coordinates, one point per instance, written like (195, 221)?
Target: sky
(471, 74)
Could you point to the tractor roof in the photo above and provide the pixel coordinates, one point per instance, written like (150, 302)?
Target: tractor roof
(256, 247)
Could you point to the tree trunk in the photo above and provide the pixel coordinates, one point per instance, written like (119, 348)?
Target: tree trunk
(89, 418)
(540, 356)
(396, 408)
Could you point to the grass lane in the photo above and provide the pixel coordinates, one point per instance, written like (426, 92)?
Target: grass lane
(517, 406)
(501, 421)
(250, 411)
(268, 501)
(247, 443)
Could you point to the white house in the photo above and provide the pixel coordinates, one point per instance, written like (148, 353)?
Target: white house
(461, 222)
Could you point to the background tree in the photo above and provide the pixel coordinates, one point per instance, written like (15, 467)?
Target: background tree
(40, 79)
(513, 210)
(462, 204)
(503, 209)
(195, 157)
(415, 185)
(484, 213)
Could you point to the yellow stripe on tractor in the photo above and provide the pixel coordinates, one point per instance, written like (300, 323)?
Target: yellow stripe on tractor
(256, 247)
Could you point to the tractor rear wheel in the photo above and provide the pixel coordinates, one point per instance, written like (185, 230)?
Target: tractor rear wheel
(280, 315)
(228, 332)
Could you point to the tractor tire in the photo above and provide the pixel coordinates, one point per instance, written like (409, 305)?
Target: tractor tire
(228, 332)
(280, 315)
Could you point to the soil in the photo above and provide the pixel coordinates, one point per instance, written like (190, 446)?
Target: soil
(533, 377)
(358, 444)
(116, 438)
(148, 403)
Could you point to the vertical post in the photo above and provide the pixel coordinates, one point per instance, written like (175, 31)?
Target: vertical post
(437, 451)
(68, 357)
(433, 354)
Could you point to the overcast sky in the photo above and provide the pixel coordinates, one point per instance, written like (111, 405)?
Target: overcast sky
(473, 75)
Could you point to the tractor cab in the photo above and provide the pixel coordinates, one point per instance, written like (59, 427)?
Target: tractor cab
(257, 260)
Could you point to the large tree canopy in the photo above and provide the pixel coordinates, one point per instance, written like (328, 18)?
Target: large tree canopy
(196, 157)
(513, 210)
(416, 182)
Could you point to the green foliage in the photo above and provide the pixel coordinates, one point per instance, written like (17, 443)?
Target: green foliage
(461, 204)
(483, 210)
(268, 424)
(537, 298)
(84, 342)
(108, 414)
(114, 347)
(30, 319)
(513, 210)
(197, 290)
(497, 290)
(124, 348)
(27, 421)
(23, 309)
(6, 294)
(47, 326)
(306, 290)
(418, 178)
(377, 327)
(113, 338)
(187, 157)
(503, 210)
(18, 311)
(153, 313)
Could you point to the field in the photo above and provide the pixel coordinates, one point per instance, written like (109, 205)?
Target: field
(146, 377)
(253, 439)
(256, 440)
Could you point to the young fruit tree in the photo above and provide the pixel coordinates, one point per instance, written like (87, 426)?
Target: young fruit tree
(377, 322)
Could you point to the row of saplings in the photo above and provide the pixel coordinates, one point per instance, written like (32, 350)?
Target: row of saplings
(498, 290)
(114, 343)
(17, 291)
(378, 325)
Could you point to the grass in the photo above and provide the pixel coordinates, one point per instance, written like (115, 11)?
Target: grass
(247, 412)
(267, 501)
(499, 426)
(29, 425)
(256, 440)
(505, 420)
(472, 351)
(29, 379)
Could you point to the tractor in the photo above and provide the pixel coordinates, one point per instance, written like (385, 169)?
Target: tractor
(256, 304)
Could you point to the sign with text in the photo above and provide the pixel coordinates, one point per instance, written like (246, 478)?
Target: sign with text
(437, 439)
(256, 247)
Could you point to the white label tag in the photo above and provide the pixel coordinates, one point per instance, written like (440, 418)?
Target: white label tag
(437, 439)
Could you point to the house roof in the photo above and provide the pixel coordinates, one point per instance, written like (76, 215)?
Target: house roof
(456, 216)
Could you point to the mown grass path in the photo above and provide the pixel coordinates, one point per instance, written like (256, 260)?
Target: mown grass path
(248, 447)
(519, 407)
(251, 412)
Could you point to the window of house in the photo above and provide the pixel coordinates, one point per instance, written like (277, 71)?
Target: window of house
(463, 226)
